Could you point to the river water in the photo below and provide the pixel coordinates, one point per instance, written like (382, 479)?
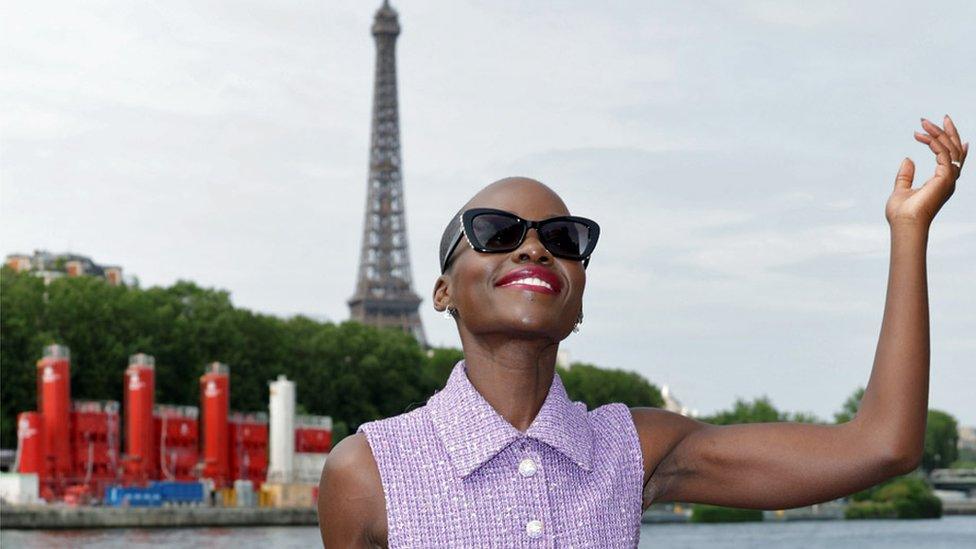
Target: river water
(947, 532)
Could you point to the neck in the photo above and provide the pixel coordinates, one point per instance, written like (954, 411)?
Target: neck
(513, 375)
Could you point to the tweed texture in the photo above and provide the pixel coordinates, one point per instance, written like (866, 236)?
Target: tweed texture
(455, 473)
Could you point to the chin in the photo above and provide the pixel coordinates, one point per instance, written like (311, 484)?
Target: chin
(542, 326)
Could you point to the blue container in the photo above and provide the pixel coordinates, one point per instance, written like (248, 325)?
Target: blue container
(175, 492)
(132, 496)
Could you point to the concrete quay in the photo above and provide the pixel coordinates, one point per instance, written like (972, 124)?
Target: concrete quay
(959, 507)
(57, 517)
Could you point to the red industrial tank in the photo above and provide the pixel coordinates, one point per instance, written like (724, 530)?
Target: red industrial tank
(313, 434)
(54, 404)
(94, 444)
(215, 401)
(142, 456)
(30, 443)
(178, 435)
(248, 446)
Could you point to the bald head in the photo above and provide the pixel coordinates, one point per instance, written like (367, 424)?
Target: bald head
(511, 187)
(510, 194)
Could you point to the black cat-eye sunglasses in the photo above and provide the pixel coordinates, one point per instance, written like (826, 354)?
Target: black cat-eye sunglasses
(494, 231)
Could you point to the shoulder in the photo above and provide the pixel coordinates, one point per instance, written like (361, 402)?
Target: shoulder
(351, 504)
(390, 437)
(660, 432)
(661, 427)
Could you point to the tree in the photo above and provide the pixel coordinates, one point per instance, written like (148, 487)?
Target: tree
(352, 372)
(440, 362)
(850, 406)
(760, 410)
(597, 386)
(941, 440)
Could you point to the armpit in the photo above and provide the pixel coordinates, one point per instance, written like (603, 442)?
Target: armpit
(647, 496)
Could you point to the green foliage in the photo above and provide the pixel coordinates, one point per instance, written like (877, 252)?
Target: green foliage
(906, 496)
(760, 410)
(596, 386)
(870, 510)
(713, 513)
(439, 364)
(352, 372)
(850, 406)
(941, 440)
(349, 371)
(805, 417)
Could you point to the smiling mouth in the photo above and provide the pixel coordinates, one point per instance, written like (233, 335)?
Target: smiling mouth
(531, 284)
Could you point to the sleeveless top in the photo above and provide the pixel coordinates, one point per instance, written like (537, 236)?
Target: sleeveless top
(455, 473)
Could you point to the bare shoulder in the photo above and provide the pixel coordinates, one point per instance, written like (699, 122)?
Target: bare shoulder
(351, 504)
(660, 432)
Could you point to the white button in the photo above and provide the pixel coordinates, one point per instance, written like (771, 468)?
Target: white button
(527, 467)
(533, 528)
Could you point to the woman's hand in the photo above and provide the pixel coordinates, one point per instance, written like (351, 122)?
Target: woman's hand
(917, 207)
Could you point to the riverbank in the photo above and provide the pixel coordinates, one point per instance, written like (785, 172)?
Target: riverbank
(64, 517)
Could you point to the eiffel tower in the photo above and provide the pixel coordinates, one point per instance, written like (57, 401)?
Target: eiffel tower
(384, 290)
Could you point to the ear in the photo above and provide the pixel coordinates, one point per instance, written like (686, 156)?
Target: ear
(442, 293)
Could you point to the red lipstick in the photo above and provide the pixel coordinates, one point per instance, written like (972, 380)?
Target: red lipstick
(533, 278)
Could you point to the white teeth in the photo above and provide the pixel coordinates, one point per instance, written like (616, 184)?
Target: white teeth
(531, 281)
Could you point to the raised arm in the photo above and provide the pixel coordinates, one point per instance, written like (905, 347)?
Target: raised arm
(784, 465)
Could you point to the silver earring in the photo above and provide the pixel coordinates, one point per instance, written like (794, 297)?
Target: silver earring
(579, 320)
(449, 312)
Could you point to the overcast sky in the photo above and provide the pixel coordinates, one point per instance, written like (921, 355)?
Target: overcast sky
(738, 157)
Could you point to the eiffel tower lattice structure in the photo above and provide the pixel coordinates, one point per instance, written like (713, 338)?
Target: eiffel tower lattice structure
(384, 289)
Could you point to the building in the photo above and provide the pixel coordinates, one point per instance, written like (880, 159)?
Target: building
(967, 439)
(51, 266)
(384, 295)
(672, 404)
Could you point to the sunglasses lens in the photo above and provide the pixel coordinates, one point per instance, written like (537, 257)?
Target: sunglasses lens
(497, 232)
(567, 238)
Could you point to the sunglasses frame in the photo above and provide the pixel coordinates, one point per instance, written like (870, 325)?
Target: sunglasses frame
(467, 228)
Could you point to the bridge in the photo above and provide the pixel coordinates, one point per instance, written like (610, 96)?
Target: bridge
(962, 480)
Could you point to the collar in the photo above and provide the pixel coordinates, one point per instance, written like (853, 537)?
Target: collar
(473, 432)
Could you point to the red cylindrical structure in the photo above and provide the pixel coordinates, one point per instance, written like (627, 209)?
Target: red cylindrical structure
(54, 404)
(30, 443)
(178, 436)
(95, 442)
(215, 401)
(142, 455)
(313, 434)
(248, 446)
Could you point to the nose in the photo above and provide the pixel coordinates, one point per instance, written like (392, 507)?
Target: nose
(532, 249)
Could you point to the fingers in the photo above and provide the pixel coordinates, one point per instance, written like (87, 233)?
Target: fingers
(906, 173)
(952, 149)
(942, 154)
(952, 132)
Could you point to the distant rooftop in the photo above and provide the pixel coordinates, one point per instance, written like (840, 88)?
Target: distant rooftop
(55, 265)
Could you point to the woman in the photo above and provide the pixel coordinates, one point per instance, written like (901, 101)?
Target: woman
(502, 457)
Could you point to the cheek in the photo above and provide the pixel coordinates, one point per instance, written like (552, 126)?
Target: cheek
(475, 281)
(577, 278)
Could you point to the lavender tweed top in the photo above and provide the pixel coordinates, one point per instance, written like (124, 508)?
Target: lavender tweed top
(455, 473)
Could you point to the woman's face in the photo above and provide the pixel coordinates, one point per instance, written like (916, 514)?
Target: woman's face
(473, 283)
